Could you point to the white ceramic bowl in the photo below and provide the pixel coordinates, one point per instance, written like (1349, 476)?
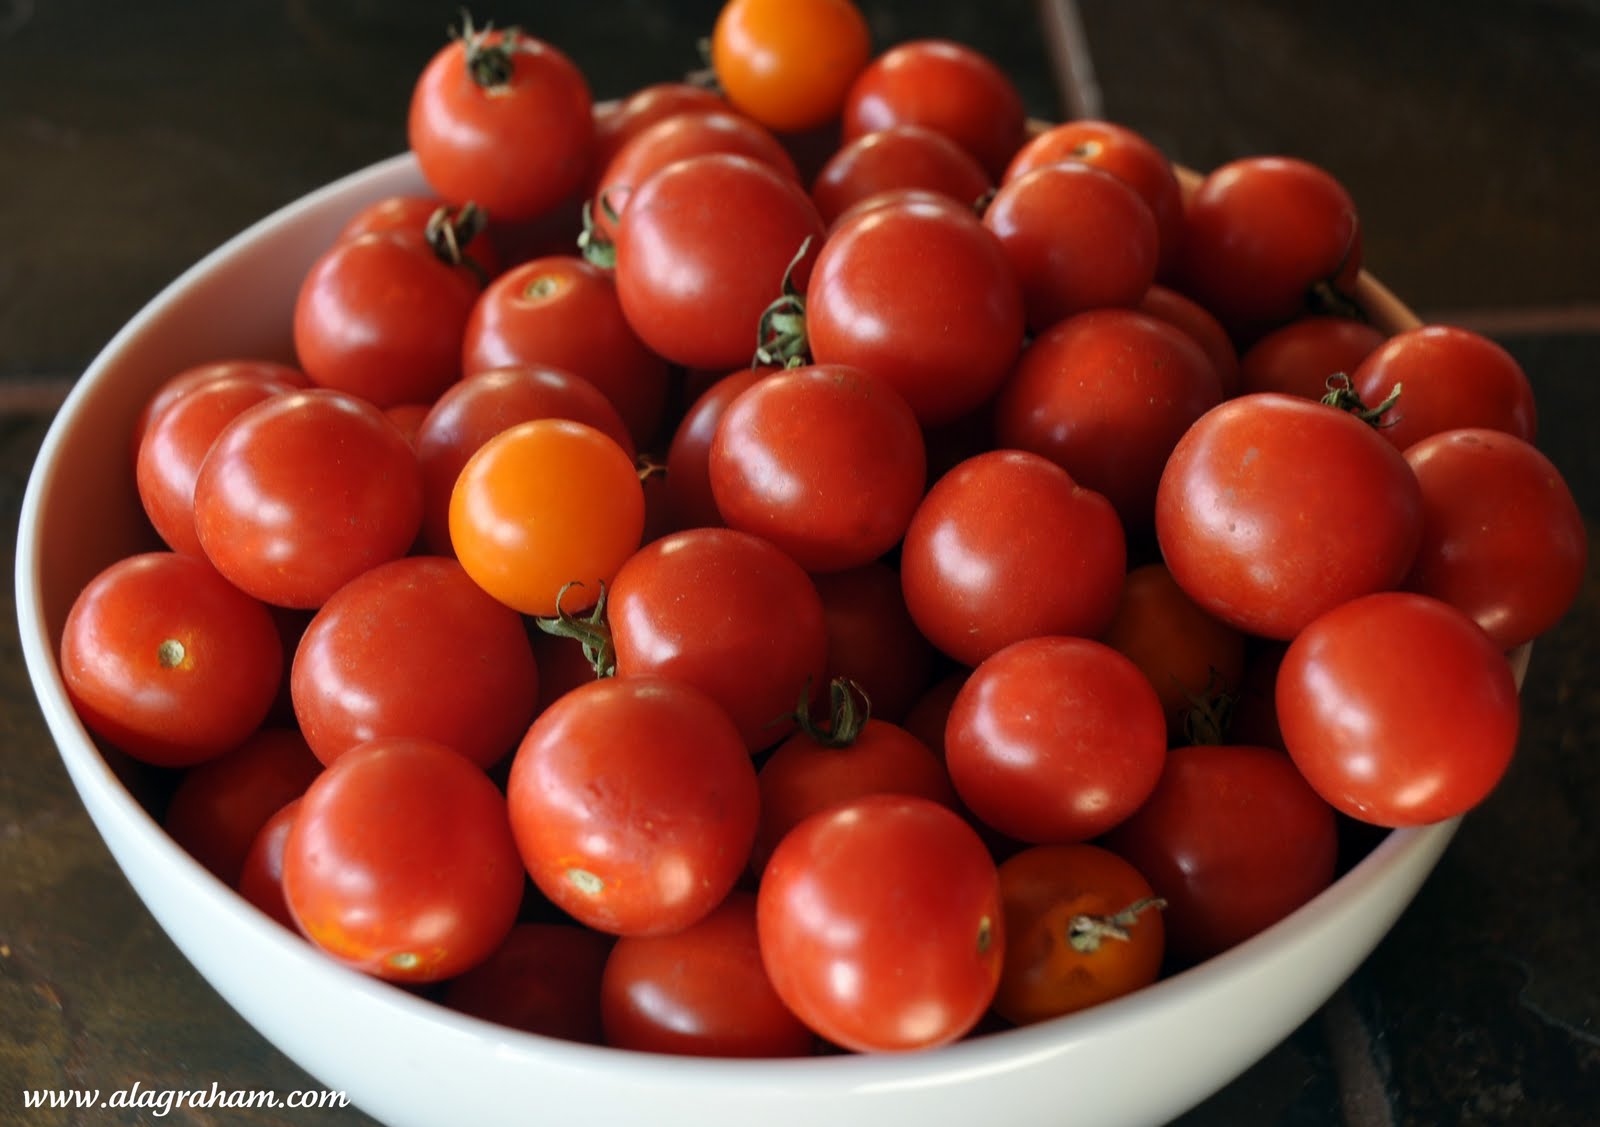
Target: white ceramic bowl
(1139, 1060)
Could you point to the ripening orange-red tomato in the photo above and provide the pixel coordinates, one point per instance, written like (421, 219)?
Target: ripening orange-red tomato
(789, 63)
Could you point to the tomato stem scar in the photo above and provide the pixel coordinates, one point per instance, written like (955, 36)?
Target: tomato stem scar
(1086, 932)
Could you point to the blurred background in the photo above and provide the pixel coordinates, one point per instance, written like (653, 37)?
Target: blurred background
(136, 137)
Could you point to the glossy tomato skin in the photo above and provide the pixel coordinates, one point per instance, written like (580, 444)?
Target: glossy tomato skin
(1502, 537)
(901, 156)
(169, 662)
(381, 316)
(690, 501)
(880, 923)
(1449, 378)
(180, 384)
(261, 873)
(825, 461)
(219, 806)
(1398, 709)
(1106, 395)
(789, 63)
(1077, 237)
(946, 86)
(634, 804)
(479, 407)
(1167, 304)
(1055, 896)
(415, 648)
(303, 492)
(1299, 357)
(1055, 739)
(619, 120)
(1233, 839)
(728, 613)
(473, 140)
(1007, 546)
(562, 312)
(401, 863)
(702, 991)
(176, 442)
(922, 294)
(702, 251)
(1261, 233)
(545, 979)
(542, 505)
(1273, 508)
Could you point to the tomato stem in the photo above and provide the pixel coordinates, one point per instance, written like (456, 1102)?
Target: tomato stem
(1210, 713)
(1343, 395)
(448, 233)
(849, 709)
(592, 632)
(781, 332)
(1087, 932)
(490, 65)
(593, 245)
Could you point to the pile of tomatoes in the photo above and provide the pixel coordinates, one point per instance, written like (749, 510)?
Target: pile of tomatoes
(815, 562)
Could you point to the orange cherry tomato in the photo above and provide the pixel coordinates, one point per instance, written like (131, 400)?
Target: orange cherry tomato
(1083, 926)
(542, 505)
(789, 63)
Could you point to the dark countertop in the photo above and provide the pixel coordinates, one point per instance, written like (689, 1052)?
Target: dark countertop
(133, 138)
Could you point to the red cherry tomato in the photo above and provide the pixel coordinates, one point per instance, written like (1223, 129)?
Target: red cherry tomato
(1260, 530)
(177, 386)
(415, 648)
(1298, 358)
(400, 862)
(561, 312)
(729, 614)
(1007, 546)
(419, 216)
(789, 63)
(545, 979)
(945, 333)
(1077, 237)
(618, 121)
(902, 156)
(689, 497)
(1502, 537)
(1233, 839)
(261, 873)
(703, 250)
(634, 804)
(1170, 306)
(167, 661)
(1398, 709)
(1055, 740)
(303, 492)
(702, 991)
(825, 461)
(475, 105)
(872, 639)
(946, 86)
(871, 971)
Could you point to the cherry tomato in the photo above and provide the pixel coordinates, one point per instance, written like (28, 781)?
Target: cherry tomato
(1298, 358)
(261, 873)
(702, 991)
(702, 251)
(902, 156)
(545, 979)
(1274, 508)
(303, 492)
(474, 107)
(1082, 927)
(825, 461)
(1263, 233)
(1398, 709)
(177, 386)
(1233, 839)
(1007, 546)
(1169, 305)
(729, 614)
(944, 333)
(1502, 537)
(872, 639)
(1448, 378)
(1189, 657)
(542, 505)
(1106, 395)
(167, 661)
(619, 120)
(415, 648)
(1055, 739)
(789, 63)
(880, 924)
(946, 86)
(176, 442)
(401, 863)
(381, 316)
(561, 312)
(219, 806)
(1124, 153)
(689, 497)
(473, 411)
(1077, 237)
(421, 216)
(634, 804)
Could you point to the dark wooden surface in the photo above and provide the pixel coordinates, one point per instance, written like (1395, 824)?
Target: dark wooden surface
(133, 138)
